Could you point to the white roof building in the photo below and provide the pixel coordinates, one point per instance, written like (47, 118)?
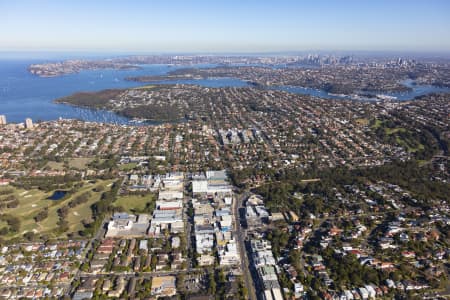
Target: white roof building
(143, 245)
(204, 242)
(175, 242)
(170, 195)
(199, 186)
(363, 292)
(169, 205)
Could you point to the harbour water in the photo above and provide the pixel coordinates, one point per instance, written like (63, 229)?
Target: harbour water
(416, 91)
(23, 95)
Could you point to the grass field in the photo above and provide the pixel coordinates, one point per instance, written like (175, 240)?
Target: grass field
(362, 121)
(133, 203)
(79, 163)
(399, 133)
(33, 201)
(127, 167)
(377, 124)
(408, 146)
(58, 166)
(394, 130)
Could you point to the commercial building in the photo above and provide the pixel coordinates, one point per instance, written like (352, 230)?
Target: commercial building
(28, 123)
(163, 286)
(212, 182)
(127, 226)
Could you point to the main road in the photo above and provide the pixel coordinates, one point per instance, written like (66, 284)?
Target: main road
(240, 234)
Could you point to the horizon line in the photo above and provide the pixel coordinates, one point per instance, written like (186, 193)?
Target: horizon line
(217, 53)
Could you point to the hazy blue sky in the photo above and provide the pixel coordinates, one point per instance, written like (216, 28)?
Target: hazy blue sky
(224, 26)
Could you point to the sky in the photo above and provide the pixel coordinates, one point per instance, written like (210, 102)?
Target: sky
(224, 25)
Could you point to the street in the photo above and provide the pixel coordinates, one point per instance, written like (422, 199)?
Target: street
(240, 234)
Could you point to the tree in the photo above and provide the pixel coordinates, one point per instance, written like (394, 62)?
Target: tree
(153, 262)
(42, 215)
(212, 284)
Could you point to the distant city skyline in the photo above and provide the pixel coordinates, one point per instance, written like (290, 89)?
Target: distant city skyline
(225, 26)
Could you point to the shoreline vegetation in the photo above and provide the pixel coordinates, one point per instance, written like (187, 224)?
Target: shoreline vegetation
(170, 102)
(73, 67)
(106, 100)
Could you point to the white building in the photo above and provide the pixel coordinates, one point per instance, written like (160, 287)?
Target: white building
(204, 243)
(170, 195)
(363, 292)
(124, 225)
(176, 242)
(229, 255)
(169, 205)
(200, 186)
(28, 123)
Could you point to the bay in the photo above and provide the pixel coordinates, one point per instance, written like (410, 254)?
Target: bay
(23, 95)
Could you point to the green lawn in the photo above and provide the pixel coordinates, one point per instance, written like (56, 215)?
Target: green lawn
(390, 131)
(377, 124)
(29, 202)
(58, 166)
(127, 167)
(33, 201)
(408, 146)
(133, 203)
(80, 162)
(3, 224)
